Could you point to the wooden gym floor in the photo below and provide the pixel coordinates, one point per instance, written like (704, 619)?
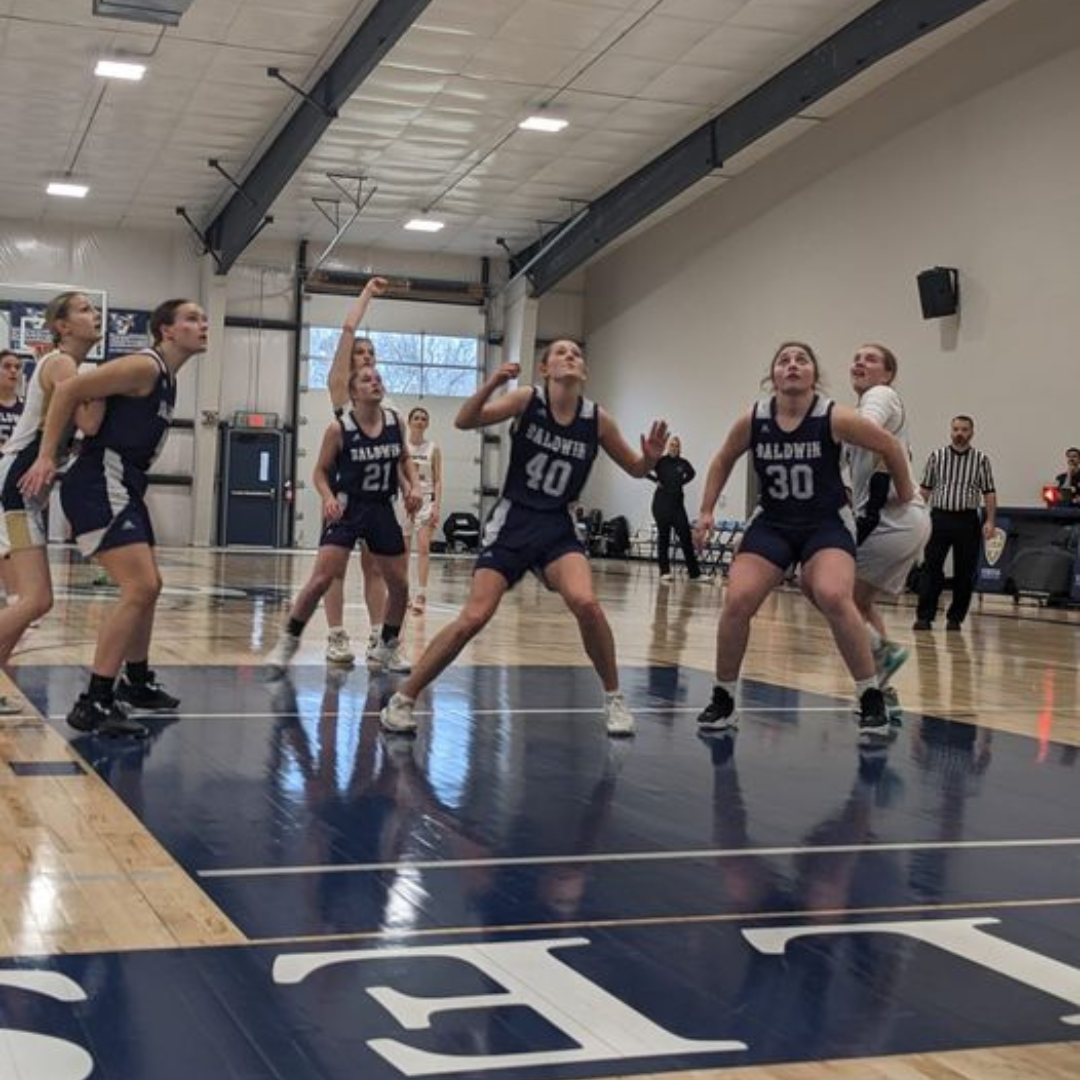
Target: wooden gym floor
(266, 886)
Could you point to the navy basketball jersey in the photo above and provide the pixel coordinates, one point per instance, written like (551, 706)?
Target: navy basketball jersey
(549, 463)
(135, 427)
(367, 468)
(798, 471)
(9, 417)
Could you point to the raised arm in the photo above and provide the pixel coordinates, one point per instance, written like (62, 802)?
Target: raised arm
(638, 465)
(337, 382)
(848, 426)
(734, 446)
(479, 412)
(129, 376)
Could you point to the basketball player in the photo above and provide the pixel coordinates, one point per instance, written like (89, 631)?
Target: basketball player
(891, 534)
(75, 326)
(353, 353)
(555, 436)
(803, 518)
(427, 457)
(103, 498)
(363, 460)
(11, 407)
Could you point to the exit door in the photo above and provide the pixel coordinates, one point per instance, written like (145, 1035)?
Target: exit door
(252, 495)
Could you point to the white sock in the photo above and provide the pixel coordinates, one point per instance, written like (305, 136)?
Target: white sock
(404, 699)
(862, 685)
(732, 687)
(611, 695)
(336, 630)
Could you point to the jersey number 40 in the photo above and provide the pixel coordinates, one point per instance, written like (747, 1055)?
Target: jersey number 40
(549, 475)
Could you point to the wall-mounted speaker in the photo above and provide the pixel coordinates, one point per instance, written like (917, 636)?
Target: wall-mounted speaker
(939, 292)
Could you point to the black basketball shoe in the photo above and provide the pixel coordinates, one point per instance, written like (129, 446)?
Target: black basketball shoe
(149, 696)
(873, 717)
(97, 718)
(720, 714)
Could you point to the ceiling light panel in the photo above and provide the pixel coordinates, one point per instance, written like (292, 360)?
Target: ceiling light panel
(159, 12)
(550, 125)
(120, 69)
(67, 189)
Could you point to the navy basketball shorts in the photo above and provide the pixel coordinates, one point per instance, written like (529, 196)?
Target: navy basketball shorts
(517, 539)
(374, 523)
(790, 545)
(103, 500)
(22, 523)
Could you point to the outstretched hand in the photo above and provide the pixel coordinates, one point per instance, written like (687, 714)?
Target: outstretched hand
(376, 286)
(701, 530)
(37, 480)
(655, 443)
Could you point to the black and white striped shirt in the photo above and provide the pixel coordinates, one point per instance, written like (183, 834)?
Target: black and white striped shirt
(957, 480)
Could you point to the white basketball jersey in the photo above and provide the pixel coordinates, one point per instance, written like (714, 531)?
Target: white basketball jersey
(33, 414)
(883, 405)
(422, 455)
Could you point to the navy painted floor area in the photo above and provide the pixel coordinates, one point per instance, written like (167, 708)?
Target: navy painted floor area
(253, 1013)
(513, 818)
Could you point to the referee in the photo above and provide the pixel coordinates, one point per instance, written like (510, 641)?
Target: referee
(956, 477)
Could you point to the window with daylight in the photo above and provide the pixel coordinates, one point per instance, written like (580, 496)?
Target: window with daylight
(411, 365)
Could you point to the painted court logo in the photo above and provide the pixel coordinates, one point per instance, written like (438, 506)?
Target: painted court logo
(398, 1012)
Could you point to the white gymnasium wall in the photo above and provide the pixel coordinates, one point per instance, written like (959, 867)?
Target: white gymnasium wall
(969, 159)
(562, 311)
(257, 372)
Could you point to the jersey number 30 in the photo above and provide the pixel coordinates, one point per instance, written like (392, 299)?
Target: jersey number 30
(790, 481)
(549, 475)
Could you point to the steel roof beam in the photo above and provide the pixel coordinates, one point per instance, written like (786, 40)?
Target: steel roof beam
(235, 227)
(878, 32)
